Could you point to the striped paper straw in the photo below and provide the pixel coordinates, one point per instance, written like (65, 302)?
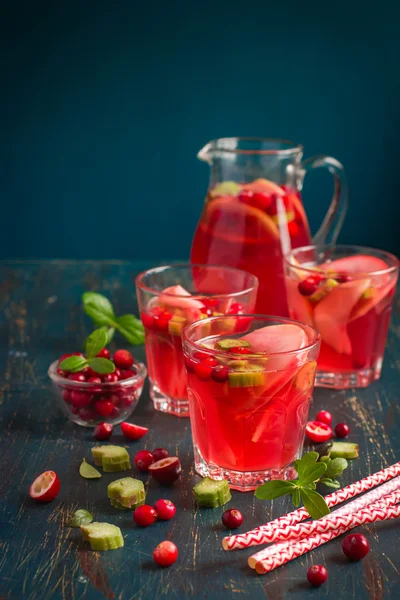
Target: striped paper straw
(251, 538)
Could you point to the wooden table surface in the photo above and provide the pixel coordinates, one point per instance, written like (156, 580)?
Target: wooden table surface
(40, 558)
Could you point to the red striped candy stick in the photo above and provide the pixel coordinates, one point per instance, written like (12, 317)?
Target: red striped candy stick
(251, 538)
(324, 525)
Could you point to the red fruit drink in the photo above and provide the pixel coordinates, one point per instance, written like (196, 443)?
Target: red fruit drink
(166, 309)
(250, 226)
(346, 293)
(249, 397)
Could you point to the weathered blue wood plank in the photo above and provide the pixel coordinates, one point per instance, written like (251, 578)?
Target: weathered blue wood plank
(41, 559)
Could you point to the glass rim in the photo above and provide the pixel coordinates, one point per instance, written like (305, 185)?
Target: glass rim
(155, 270)
(288, 258)
(279, 320)
(140, 375)
(217, 145)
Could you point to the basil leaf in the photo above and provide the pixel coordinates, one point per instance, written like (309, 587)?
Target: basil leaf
(314, 503)
(331, 483)
(101, 365)
(131, 328)
(313, 473)
(96, 342)
(274, 489)
(98, 308)
(73, 364)
(306, 463)
(296, 497)
(80, 517)
(336, 467)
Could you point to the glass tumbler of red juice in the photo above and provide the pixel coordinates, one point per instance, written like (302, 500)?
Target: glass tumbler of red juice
(171, 297)
(249, 390)
(346, 293)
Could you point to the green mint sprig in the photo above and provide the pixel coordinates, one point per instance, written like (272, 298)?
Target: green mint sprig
(94, 343)
(101, 311)
(309, 473)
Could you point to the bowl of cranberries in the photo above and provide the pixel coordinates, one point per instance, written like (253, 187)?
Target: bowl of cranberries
(89, 398)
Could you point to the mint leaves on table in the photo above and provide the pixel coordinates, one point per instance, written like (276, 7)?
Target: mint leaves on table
(101, 311)
(80, 517)
(310, 471)
(94, 343)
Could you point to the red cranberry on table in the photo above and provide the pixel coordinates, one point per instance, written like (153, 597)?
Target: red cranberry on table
(342, 430)
(133, 432)
(143, 460)
(159, 454)
(103, 431)
(355, 546)
(232, 518)
(317, 575)
(144, 515)
(165, 509)
(324, 417)
(104, 353)
(166, 471)
(165, 554)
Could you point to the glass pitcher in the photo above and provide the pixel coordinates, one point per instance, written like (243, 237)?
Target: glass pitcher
(253, 213)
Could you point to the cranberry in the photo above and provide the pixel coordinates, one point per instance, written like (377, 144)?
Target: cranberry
(46, 487)
(143, 460)
(324, 417)
(342, 430)
(236, 309)
(66, 396)
(126, 374)
(110, 378)
(94, 380)
(123, 359)
(204, 369)
(209, 302)
(165, 509)
(62, 373)
(161, 321)
(159, 454)
(232, 518)
(206, 311)
(343, 278)
(261, 200)
(293, 229)
(166, 471)
(317, 575)
(87, 414)
(80, 399)
(245, 196)
(189, 364)
(133, 432)
(308, 286)
(104, 407)
(165, 554)
(220, 373)
(77, 377)
(78, 354)
(118, 373)
(240, 350)
(355, 546)
(103, 431)
(104, 353)
(318, 432)
(200, 355)
(127, 400)
(147, 320)
(144, 515)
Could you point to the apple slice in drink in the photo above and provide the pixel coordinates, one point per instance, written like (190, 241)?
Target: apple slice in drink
(332, 313)
(355, 265)
(176, 297)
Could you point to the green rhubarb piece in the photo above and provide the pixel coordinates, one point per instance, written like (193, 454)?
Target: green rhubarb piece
(128, 492)
(229, 343)
(87, 471)
(211, 493)
(176, 325)
(226, 188)
(344, 450)
(245, 374)
(80, 517)
(111, 458)
(102, 536)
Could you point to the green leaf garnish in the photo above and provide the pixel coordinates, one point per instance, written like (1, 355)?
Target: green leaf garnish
(101, 365)
(96, 341)
(331, 483)
(314, 503)
(80, 517)
(131, 328)
(73, 364)
(87, 471)
(274, 489)
(335, 467)
(98, 308)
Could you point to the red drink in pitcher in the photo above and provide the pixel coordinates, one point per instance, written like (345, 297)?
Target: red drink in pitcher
(253, 213)
(249, 397)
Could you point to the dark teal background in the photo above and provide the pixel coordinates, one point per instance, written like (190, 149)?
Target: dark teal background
(104, 105)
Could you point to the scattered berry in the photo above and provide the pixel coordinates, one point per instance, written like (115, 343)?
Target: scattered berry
(232, 518)
(144, 515)
(165, 554)
(104, 353)
(46, 487)
(317, 575)
(355, 546)
(103, 431)
(165, 471)
(342, 430)
(165, 509)
(123, 359)
(317, 431)
(159, 454)
(324, 417)
(133, 432)
(143, 460)
(104, 408)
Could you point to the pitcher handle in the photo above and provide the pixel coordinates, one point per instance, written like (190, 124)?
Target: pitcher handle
(333, 220)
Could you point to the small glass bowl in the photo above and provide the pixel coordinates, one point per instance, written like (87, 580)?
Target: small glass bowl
(78, 399)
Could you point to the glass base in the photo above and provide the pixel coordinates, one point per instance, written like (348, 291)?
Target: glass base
(243, 481)
(353, 379)
(165, 404)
